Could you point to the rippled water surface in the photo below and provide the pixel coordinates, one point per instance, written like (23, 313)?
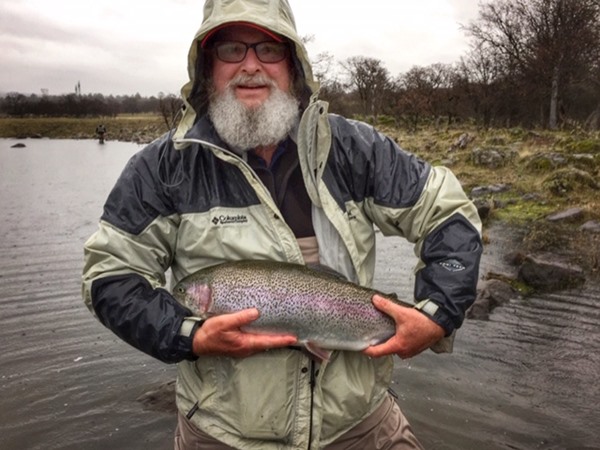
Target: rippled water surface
(525, 379)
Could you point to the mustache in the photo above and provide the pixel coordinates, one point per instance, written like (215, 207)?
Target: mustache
(251, 81)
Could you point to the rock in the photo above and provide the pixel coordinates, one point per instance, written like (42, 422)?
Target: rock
(480, 191)
(567, 180)
(462, 142)
(545, 162)
(490, 294)
(448, 162)
(493, 157)
(591, 226)
(568, 215)
(484, 208)
(532, 197)
(161, 399)
(18, 145)
(548, 273)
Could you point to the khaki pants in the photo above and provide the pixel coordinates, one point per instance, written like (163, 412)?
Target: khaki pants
(385, 429)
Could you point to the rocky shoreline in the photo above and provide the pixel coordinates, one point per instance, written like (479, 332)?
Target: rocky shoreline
(537, 266)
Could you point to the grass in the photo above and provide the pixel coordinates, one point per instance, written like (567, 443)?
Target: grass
(135, 128)
(438, 147)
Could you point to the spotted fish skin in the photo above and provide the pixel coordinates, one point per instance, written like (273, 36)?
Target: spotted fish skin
(323, 310)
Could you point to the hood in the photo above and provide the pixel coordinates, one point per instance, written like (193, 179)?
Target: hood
(273, 15)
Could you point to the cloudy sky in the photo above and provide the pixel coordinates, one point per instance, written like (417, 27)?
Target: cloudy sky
(129, 46)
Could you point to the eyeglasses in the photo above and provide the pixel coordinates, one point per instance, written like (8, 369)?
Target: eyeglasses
(235, 51)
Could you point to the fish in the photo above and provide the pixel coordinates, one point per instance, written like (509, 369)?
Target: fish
(319, 306)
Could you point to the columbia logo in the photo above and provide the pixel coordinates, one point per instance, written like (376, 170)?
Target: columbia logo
(452, 265)
(229, 220)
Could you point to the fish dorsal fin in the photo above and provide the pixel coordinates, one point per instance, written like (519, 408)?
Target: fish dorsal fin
(391, 295)
(321, 268)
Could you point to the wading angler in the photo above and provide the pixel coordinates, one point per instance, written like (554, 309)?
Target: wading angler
(258, 170)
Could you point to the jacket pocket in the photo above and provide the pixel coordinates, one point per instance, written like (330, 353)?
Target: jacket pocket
(257, 394)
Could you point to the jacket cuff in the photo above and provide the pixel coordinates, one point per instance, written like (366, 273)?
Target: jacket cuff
(185, 339)
(437, 314)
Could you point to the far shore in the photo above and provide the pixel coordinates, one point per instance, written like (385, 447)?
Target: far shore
(140, 128)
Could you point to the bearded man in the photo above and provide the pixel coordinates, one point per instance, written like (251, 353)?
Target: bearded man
(258, 170)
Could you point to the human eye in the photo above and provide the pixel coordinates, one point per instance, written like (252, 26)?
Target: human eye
(271, 51)
(230, 51)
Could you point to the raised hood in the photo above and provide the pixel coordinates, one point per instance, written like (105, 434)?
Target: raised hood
(275, 15)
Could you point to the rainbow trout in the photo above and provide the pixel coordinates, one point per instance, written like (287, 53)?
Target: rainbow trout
(322, 309)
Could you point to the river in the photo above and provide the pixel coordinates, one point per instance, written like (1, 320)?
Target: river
(525, 379)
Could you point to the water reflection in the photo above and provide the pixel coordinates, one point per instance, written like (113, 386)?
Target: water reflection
(526, 379)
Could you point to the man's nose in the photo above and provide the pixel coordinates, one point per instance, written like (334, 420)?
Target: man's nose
(251, 63)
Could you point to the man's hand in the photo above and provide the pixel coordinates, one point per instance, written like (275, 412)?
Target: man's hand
(222, 335)
(415, 332)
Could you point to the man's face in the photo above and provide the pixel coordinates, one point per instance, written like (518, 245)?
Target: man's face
(249, 93)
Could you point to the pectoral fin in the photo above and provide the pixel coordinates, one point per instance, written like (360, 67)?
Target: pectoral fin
(320, 354)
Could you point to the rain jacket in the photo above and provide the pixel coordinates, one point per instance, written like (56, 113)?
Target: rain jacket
(202, 204)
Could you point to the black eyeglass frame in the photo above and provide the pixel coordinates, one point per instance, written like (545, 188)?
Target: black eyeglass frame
(256, 47)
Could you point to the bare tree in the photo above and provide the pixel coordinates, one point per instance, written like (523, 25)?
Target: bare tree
(371, 80)
(169, 106)
(427, 92)
(480, 76)
(547, 43)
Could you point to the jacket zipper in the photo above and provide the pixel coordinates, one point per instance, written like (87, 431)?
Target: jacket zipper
(313, 382)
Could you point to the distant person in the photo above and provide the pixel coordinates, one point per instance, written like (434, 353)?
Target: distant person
(258, 170)
(100, 132)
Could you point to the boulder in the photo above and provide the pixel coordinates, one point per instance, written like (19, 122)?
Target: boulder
(568, 215)
(565, 181)
(549, 273)
(480, 191)
(161, 399)
(490, 294)
(484, 208)
(462, 142)
(545, 162)
(591, 226)
(493, 157)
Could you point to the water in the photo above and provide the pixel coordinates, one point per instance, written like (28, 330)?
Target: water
(525, 379)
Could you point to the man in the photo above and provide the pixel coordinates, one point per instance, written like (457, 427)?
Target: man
(100, 130)
(258, 169)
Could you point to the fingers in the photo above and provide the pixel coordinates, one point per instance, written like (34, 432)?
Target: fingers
(415, 332)
(262, 342)
(223, 335)
(387, 348)
(239, 319)
(389, 307)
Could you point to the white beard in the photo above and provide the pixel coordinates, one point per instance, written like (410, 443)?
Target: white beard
(244, 128)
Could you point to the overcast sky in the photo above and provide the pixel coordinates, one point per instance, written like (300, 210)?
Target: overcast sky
(129, 46)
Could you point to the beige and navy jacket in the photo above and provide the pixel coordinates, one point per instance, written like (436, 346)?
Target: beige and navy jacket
(186, 202)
